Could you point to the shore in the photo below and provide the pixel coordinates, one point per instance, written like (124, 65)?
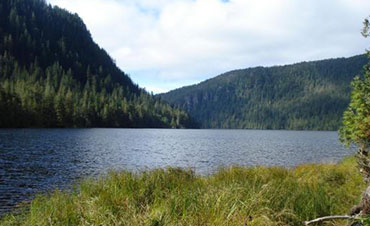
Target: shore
(234, 196)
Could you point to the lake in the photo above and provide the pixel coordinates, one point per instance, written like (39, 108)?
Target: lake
(38, 160)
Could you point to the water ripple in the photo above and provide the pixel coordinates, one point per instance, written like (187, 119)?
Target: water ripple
(37, 160)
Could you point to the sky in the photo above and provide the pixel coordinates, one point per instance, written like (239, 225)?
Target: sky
(167, 44)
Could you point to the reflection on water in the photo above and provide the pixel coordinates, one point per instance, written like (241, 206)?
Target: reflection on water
(37, 160)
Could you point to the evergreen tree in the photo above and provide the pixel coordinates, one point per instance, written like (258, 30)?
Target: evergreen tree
(356, 124)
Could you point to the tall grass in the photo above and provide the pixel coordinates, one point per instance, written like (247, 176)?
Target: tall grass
(235, 196)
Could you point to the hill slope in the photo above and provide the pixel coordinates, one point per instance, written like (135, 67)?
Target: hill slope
(308, 95)
(52, 74)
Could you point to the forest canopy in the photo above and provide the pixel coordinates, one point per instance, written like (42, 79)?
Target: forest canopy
(302, 96)
(52, 74)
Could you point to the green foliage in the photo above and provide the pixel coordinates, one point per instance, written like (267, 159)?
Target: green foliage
(366, 221)
(356, 119)
(52, 74)
(308, 95)
(235, 196)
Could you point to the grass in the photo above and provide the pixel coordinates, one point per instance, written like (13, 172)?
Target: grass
(235, 196)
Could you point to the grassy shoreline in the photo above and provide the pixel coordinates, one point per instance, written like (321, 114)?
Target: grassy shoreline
(234, 196)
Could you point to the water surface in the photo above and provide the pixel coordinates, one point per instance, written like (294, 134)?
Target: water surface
(38, 160)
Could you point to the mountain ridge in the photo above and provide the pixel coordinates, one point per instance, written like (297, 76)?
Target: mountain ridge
(265, 91)
(53, 74)
(256, 67)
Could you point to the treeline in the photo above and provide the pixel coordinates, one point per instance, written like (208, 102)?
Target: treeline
(52, 74)
(308, 95)
(53, 98)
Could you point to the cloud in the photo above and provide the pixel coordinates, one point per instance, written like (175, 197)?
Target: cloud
(165, 44)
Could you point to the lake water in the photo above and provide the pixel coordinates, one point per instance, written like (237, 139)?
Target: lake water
(38, 160)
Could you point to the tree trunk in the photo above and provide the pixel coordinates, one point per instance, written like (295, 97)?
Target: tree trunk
(366, 202)
(363, 159)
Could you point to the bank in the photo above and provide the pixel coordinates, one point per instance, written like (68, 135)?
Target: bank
(233, 196)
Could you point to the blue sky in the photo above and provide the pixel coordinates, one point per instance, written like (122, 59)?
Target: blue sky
(166, 44)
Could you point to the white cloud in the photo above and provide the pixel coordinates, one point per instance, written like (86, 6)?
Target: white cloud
(164, 44)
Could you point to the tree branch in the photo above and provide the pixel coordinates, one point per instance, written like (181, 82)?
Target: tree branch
(328, 218)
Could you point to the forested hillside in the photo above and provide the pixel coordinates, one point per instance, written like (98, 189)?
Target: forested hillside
(52, 74)
(308, 95)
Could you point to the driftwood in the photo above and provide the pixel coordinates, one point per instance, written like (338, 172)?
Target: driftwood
(328, 218)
